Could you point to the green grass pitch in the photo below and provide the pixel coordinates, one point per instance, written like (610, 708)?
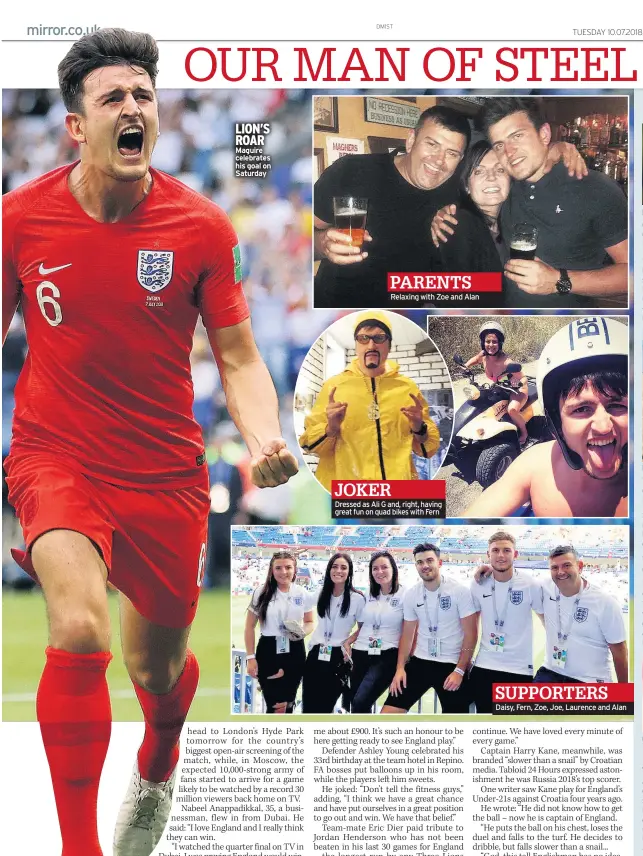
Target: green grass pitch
(24, 640)
(213, 632)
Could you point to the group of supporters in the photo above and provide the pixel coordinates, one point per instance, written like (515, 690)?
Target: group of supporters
(409, 640)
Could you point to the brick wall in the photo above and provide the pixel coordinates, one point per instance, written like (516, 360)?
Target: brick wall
(427, 370)
(311, 374)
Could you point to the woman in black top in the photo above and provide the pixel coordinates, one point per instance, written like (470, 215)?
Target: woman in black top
(476, 243)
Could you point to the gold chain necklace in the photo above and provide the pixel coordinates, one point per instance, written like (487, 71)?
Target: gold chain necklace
(373, 411)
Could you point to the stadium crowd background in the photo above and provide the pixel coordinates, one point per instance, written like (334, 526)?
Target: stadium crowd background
(273, 218)
(604, 552)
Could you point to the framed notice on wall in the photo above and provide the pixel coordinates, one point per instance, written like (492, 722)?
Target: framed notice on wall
(386, 112)
(337, 147)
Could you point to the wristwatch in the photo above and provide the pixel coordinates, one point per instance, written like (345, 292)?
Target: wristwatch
(564, 284)
(423, 430)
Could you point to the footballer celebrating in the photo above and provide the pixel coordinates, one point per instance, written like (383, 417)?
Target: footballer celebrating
(111, 263)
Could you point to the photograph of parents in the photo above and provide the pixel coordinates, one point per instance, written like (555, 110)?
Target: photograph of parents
(534, 189)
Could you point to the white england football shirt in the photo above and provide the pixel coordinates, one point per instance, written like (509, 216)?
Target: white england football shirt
(444, 608)
(334, 629)
(505, 608)
(592, 620)
(283, 606)
(382, 618)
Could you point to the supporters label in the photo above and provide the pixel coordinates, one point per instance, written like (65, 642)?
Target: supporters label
(411, 498)
(563, 699)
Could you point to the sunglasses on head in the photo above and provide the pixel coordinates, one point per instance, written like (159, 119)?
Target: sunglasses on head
(377, 338)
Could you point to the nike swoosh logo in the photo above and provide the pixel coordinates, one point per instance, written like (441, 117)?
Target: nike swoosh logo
(43, 271)
(487, 595)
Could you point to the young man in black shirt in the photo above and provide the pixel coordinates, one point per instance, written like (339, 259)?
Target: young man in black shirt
(582, 253)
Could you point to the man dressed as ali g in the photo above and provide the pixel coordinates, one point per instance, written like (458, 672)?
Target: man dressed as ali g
(367, 421)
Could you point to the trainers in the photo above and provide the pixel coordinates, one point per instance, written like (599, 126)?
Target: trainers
(143, 815)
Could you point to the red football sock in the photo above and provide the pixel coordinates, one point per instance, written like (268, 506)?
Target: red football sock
(164, 718)
(75, 716)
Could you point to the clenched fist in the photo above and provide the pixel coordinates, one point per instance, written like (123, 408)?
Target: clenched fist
(274, 465)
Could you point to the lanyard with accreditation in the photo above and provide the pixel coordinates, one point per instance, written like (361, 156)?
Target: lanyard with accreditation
(434, 641)
(497, 635)
(375, 640)
(559, 654)
(326, 649)
(283, 642)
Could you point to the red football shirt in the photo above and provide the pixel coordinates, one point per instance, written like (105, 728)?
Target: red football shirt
(110, 311)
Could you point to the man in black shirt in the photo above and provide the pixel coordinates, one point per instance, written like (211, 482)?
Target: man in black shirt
(582, 254)
(403, 195)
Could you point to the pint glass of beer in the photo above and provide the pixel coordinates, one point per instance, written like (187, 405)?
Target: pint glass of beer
(350, 217)
(524, 241)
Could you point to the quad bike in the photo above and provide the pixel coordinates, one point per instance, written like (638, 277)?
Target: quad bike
(485, 440)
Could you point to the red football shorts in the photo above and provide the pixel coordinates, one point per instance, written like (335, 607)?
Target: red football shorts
(152, 541)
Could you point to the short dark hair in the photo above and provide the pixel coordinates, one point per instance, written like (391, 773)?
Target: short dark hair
(447, 118)
(474, 156)
(111, 46)
(496, 109)
(562, 550)
(427, 547)
(606, 383)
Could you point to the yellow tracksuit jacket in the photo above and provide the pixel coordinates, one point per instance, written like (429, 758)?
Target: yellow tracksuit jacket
(367, 447)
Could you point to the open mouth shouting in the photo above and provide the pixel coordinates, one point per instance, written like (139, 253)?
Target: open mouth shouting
(130, 142)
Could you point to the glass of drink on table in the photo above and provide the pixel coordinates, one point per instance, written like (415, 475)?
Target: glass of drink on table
(350, 217)
(524, 241)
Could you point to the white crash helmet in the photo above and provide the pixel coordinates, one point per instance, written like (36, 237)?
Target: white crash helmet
(492, 327)
(583, 346)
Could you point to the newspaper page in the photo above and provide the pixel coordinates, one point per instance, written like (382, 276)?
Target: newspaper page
(321, 409)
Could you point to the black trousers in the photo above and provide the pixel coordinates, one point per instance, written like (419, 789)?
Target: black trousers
(421, 676)
(322, 685)
(371, 676)
(277, 690)
(481, 680)
(546, 676)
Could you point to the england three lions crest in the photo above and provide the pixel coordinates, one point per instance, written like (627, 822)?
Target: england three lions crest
(581, 613)
(516, 597)
(155, 267)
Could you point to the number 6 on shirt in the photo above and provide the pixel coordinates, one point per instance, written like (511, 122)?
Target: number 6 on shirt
(47, 299)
